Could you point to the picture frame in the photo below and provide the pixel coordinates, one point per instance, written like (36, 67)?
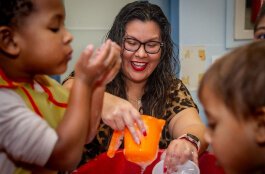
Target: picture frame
(241, 17)
(230, 41)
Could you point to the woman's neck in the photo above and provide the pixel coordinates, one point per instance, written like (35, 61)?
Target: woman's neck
(134, 92)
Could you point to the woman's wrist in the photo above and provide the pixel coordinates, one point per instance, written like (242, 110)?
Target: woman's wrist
(194, 140)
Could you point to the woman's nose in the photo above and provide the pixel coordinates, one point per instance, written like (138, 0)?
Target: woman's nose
(141, 52)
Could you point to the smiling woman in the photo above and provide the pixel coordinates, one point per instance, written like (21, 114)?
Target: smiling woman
(148, 75)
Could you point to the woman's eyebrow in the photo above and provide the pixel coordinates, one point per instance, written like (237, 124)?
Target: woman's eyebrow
(131, 37)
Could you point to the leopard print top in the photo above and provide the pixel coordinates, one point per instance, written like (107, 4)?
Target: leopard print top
(179, 99)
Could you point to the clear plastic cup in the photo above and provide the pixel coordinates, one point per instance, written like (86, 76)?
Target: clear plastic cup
(187, 168)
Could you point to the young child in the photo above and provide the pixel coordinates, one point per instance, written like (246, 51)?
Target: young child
(233, 96)
(42, 129)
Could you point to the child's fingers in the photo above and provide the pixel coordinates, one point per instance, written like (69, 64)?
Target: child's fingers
(111, 73)
(102, 55)
(83, 61)
(102, 67)
(111, 63)
(112, 54)
(106, 58)
(86, 54)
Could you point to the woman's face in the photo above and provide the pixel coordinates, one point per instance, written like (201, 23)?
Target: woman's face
(138, 64)
(260, 32)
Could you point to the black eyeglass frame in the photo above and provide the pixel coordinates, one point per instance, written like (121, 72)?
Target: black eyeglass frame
(161, 44)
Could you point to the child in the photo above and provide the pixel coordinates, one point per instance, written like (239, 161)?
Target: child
(38, 132)
(233, 96)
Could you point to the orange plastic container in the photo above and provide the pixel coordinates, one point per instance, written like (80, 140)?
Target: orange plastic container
(146, 151)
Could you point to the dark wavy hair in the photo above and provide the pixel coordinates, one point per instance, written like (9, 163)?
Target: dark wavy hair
(238, 80)
(158, 84)
(13, 11)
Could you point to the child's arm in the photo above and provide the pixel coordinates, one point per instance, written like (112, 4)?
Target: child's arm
(98, 96)
(91, 72)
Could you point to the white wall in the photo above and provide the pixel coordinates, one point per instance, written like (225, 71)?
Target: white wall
(202, 23)
(89, 21)
(209, 23)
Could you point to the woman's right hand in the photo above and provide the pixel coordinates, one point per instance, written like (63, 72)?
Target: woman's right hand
(119, 113)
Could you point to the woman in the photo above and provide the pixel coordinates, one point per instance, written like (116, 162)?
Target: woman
(147, 81)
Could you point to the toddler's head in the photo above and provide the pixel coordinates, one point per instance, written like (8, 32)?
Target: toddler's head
(232, 93)
(33, 38)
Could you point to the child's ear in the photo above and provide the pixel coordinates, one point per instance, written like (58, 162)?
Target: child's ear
(260, 129)
(8, 45)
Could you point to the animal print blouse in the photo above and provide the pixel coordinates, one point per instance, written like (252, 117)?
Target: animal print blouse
(179, 100)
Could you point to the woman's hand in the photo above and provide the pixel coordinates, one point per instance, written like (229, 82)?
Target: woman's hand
(119, 113)
(180, 150)
(177, 153)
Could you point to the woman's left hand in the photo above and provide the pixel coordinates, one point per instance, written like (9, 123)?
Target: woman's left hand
(177, 153)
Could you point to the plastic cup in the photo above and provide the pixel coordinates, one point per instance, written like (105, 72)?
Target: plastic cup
(187, 168)
(144, 153)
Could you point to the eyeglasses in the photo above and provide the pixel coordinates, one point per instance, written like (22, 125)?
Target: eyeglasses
(151, 47)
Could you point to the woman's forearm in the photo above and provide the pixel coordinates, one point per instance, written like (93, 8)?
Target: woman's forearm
(188, 121)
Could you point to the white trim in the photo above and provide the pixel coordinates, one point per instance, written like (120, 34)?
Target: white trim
(240, 32)
(230, 41)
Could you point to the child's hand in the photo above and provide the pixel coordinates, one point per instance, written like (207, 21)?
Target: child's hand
(112, 72)
(100, 68)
